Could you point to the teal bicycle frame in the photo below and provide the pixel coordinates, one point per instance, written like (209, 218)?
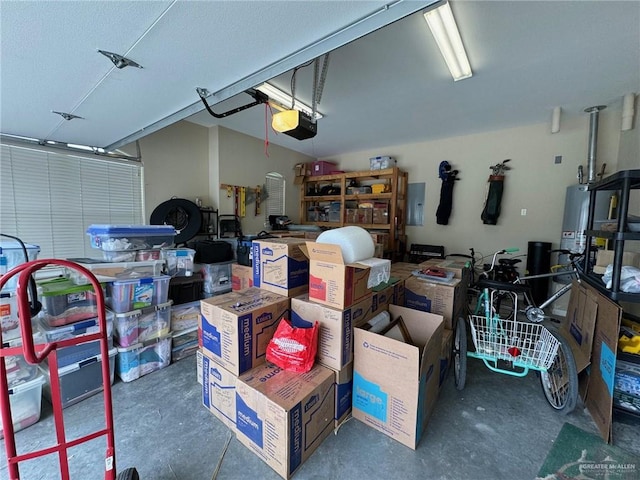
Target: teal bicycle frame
(496, 329)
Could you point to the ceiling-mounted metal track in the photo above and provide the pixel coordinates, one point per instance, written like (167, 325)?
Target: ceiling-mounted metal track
(83, 152)
(389, 13)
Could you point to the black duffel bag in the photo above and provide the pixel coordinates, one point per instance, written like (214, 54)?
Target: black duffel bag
(212, 251)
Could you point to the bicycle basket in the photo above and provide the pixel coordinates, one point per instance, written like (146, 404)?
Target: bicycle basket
(527, 344)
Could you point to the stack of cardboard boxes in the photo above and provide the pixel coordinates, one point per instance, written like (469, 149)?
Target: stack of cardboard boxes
(283, 416)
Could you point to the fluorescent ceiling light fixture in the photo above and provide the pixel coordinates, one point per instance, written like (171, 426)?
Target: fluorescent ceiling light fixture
(445, 31)
(284, 100)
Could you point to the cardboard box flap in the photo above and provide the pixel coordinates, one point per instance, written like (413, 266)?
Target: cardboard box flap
(599, 397)
(330, 253)
(389, 354)
(324, 252)
(580, 322)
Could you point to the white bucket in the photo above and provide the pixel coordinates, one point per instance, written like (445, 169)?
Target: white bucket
(356, 243)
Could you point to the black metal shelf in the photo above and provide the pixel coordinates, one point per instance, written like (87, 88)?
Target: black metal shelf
(623, 181)
(596, 282)
(618, 236)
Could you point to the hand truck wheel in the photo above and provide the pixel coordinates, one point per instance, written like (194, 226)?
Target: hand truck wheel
(460, 353)
(128, 474)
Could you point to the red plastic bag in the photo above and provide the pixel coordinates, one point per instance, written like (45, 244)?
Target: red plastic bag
(293, 348)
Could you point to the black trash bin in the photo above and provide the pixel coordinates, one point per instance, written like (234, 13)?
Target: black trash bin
(538, 262)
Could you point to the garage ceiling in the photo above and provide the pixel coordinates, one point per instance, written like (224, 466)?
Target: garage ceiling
(384, 86)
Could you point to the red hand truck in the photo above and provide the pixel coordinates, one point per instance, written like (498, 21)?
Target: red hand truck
(35, 354)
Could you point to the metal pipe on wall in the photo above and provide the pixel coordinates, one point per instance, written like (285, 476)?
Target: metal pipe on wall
(594, 113)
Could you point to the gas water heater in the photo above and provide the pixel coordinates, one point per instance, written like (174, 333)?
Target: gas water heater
(576, 212)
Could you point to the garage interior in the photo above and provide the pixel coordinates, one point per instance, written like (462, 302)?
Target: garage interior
(96, 87)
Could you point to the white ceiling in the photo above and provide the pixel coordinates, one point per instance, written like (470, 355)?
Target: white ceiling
(388, 87)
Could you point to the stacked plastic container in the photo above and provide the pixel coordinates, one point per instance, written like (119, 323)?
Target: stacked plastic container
(139, 300)
(184, 325)
(25, 389)
(25, 381)
(12, 255)
(185, 291)
(70, 311)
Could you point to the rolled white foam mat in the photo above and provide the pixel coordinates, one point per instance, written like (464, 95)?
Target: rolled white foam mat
(355, 242)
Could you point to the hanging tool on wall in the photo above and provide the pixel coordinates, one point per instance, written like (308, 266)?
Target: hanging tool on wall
(243, 206)
(493, 199)
(258, 199)
(243, 196)
(448, 177)
(235, 201)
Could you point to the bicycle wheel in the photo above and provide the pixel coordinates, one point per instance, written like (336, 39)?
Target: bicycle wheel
(560, 382)
(504, 304)
(472, 301)
(460, 353)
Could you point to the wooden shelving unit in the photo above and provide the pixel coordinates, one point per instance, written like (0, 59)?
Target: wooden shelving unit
(394, 195)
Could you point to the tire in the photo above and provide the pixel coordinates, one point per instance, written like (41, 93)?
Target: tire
(460, 354)
(504, 305)
(560, 382)
(128, 474)
(183, 214)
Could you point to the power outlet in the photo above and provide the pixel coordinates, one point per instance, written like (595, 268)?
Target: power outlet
(523, 212)
(557, 159)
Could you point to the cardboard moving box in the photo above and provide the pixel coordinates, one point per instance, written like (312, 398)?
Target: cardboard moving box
(395, 384)
(280, 266)
(333, 282)
(344, 389)
(284, 416)
(389, 293)
(446, 300)
(605, 258)
(236, 332)
(241, 277)
(218, 390)
(335, 337)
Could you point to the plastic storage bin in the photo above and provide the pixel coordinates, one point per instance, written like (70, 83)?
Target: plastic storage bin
(130, 237)
(143, 358)
(9, 315)
(25, 399)
(12, 255)
(179, 261)
(80, 352)
(143, 324)
(79, 380)
(150, 254)
(65, 302)
(110, 271)
(119, 256)
(216, 276)
(184, 344)
(125, 295)
(322, 167)
(19, 371)
(185, 316)
(186, 289)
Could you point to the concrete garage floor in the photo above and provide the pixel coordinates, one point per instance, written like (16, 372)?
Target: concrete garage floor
(499, 427)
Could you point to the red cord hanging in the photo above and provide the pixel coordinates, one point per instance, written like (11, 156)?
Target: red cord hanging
(266, 129)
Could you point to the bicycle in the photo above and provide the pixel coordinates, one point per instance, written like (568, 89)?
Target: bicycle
(521, 345)
(501, 270)
(517, 285)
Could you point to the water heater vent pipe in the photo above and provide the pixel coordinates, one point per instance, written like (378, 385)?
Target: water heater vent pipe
(593, 141)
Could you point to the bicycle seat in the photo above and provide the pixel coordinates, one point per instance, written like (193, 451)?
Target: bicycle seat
(504, 286)
(509, 261)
